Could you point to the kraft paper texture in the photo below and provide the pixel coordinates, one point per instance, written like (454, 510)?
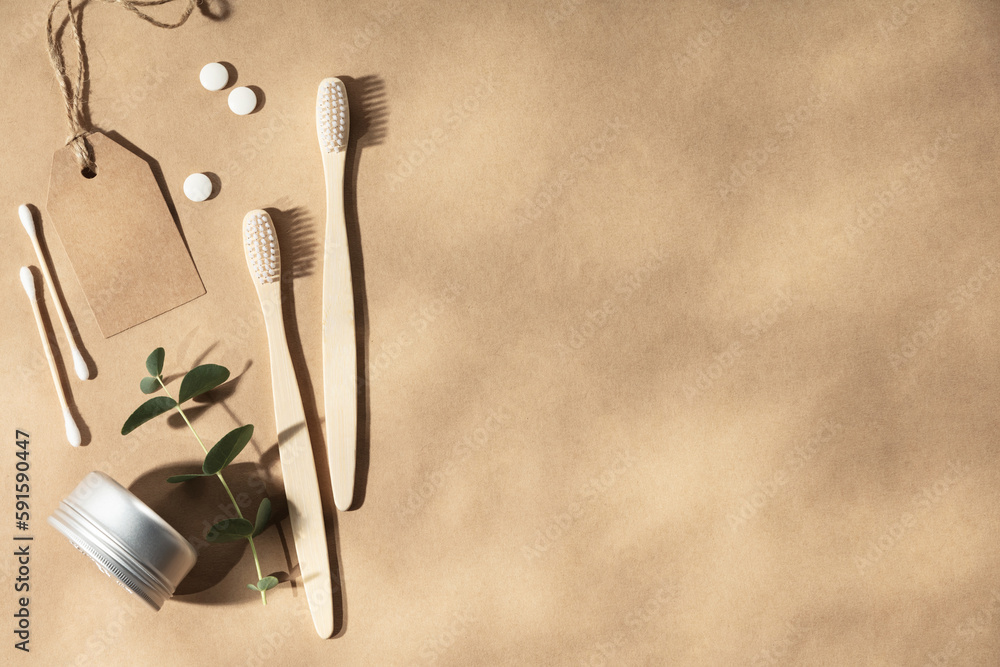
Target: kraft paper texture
(119, 235)
(678, 326)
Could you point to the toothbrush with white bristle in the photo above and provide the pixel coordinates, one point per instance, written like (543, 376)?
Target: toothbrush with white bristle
(298, 468)
(28, 221)
(72, 432)
(340, 390)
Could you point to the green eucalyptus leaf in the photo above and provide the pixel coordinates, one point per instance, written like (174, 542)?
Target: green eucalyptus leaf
(267, 583)
(252, 587)
(230, 530)
(154, 362)
(201, 379)
(227, 449)
(151, 408)
(149, 385)
(263, 516)
(177, 479)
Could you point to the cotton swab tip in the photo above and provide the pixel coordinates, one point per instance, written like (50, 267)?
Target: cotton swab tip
(26, 219)
(72, 432)
(82, 371)
(28, 281)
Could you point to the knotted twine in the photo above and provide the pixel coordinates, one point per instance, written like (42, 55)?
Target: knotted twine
(73, 94)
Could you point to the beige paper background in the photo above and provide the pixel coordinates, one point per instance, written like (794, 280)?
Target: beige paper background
(848, 395)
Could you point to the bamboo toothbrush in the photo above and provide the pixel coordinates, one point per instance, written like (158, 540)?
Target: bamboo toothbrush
(340, 390)
(72, 432)
(28, 221)
(297, 465)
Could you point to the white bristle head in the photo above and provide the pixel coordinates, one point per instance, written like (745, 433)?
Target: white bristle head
(28, 281)
(26, 219)
(261, 247)
(333, 116)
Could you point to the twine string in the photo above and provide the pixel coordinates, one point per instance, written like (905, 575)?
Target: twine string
(73, 93)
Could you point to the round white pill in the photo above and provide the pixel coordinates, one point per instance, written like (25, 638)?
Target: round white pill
(197, 187)
(214, 76)
(242, 101)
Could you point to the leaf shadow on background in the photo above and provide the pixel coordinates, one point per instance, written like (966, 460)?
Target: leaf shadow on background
(199, 404)
(192, 507)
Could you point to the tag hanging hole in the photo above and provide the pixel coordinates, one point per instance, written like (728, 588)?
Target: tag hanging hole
(87, 172)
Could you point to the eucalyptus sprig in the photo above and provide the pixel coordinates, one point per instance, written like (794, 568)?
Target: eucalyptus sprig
(197, 381)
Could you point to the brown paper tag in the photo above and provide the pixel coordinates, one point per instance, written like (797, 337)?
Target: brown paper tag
(116, 228)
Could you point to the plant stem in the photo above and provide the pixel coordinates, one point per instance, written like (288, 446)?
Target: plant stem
(253, 549)
(236, 505)
(184, 417)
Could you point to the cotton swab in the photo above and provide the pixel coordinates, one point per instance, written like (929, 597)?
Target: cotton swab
(82, 371)
(72, 432)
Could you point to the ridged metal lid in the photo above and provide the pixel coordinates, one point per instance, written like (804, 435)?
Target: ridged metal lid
(126, 539)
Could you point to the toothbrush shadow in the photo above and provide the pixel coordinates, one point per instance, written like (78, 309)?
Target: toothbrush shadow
(369, 118)
(57, 287)
(297, 240)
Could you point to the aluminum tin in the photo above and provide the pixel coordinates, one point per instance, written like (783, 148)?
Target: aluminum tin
(126, 539)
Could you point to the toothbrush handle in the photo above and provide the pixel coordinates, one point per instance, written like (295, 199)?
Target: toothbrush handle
(340, 391)
(298, 470)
